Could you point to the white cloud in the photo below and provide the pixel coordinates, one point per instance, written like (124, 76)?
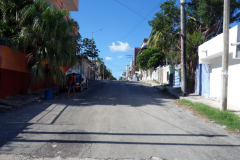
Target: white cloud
(120, 56)
(108, 58)
(122, 47)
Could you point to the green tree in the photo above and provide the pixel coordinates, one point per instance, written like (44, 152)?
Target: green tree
(151, 57)
(124, 74)
(47, 38)
(89, 48)
(165, 25)
(120, 78)
(107, 71)
(204, 21)
(10, 16)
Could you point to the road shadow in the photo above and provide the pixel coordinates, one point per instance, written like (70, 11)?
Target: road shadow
(103, 93)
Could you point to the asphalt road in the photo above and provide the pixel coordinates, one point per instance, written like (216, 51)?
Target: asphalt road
(113, 119)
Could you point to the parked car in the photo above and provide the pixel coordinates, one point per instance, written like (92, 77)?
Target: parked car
(81, 82)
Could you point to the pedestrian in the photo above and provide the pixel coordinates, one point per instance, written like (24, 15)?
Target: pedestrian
(71, 84)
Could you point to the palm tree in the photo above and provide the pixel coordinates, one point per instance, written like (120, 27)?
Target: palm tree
(47, 37)
(154, 38)
(9, 16)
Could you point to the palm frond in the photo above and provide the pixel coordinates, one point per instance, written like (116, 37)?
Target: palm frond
(47, 35)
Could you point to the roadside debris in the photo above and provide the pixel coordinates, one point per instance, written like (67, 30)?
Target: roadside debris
(237, 130)
(54, 145)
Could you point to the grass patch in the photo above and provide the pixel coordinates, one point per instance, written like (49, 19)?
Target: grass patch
(227, 118)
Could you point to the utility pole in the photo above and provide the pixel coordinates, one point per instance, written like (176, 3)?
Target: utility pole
(225, 54)
(103, 71)
(183, 49)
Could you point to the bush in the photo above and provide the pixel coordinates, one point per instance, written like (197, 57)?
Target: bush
(165, 89)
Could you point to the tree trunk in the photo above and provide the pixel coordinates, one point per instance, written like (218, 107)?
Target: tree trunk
(29, 87)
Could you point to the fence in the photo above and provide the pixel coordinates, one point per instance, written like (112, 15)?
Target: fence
(164, 75)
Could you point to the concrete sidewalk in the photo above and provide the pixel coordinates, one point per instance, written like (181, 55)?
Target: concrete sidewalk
(176, 92)
(22, 99)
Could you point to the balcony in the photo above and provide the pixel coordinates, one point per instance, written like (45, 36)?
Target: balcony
(70, 5)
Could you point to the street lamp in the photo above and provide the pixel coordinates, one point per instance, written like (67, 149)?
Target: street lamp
(92, 51)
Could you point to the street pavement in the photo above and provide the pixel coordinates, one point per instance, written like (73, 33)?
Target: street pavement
(116, 120)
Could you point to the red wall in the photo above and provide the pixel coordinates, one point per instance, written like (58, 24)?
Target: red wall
(14, 74)
(14, 82)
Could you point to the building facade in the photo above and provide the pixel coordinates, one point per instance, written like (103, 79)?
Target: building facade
(209, 70)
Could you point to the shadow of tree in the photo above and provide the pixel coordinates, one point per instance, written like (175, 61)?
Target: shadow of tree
(103, 93)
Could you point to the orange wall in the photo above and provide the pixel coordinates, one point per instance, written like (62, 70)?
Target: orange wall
(13, 60)
(14, 74)
(16, 60)
(64, 69)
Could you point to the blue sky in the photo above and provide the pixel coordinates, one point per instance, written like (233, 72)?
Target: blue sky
(122, 29)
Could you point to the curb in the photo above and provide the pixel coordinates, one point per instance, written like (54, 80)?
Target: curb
(20, 104)
(169, 92)
(174, 95)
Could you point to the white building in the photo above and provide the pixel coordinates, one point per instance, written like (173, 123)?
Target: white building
(210, 70)
(131, 70)
(127, 72)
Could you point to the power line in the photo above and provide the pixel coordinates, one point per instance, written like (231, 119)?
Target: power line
(142, 25)
(131, 9)
(138, 17)
(140, 21)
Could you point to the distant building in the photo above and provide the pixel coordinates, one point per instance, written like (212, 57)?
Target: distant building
(128, 72)
(137, 51)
